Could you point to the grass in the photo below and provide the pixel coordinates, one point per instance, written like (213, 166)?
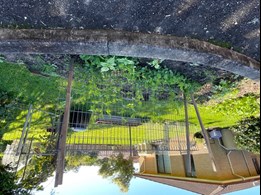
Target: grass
(109, 134)
(39, 123)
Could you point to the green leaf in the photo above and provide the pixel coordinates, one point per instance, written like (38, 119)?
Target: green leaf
(2, 59)
(85, 57)
(105, 69)
(111, 61)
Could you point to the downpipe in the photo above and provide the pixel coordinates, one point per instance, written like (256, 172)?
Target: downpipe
(229, 151)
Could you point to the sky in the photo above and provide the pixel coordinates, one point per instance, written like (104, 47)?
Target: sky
(87, 182)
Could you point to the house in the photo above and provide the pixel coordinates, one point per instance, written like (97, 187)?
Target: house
(229, 169)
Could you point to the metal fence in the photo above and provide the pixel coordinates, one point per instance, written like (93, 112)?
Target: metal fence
(36, 131)
(168, 137)
(28, 134)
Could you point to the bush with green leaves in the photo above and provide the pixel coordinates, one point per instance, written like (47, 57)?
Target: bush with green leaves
(152, 75)
(40, 167)
(247, 134)
(109, 82)
(7, 180)
(224, 87)
(38, 171)
(8, 185)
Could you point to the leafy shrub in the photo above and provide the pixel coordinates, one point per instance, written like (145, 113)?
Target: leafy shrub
(8, 185)
(223, 87)
(247, 134)
(7, 180)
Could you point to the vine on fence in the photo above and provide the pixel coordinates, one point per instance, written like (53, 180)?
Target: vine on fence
(107, 77)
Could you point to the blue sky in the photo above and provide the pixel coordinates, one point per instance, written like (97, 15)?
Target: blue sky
(88, 182)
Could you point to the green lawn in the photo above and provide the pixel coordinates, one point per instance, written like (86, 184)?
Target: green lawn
(109, 134)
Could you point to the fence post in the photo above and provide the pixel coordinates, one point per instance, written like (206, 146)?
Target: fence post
(188, 156)
(130, 141)
(27, 157)
(62, 141)
(28, 116)
(205, 135)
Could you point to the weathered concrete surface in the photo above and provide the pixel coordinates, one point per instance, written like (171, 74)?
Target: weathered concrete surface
(234, 22)
(101, 42)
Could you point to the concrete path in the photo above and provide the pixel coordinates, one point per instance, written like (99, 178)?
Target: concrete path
(230, 23)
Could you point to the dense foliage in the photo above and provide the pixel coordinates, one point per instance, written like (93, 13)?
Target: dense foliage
(7, 180)
(37, 172)
(247, 134)
(150, 75)
(40, 167)
(8, 185)
(119, 82)
(31, 176)
(224, 86)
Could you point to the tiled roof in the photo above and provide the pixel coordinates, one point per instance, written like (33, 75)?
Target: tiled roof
(202, 187)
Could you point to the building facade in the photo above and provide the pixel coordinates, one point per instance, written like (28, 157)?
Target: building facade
(228, 166)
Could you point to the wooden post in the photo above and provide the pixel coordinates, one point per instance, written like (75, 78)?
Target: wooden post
(63, 134)
(166, 137)
(205, 134)
(188, 156)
